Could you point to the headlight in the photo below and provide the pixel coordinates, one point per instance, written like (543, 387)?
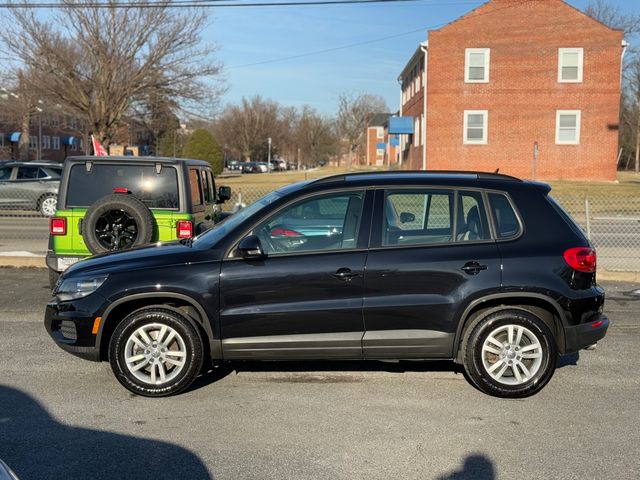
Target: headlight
(74, 288)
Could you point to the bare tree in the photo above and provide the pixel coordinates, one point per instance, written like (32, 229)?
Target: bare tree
(99, 62)
(21, 107)
(629, 23)
(245, 129)
(315, 136)
(354, 113)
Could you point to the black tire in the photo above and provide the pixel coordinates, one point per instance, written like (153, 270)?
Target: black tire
(140, 215)
(53, 278)
(153, 319)
(514, 382)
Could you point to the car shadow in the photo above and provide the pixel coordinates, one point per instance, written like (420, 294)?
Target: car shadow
(36, 446)
(474, 467)
(320, 369)
(570, 360)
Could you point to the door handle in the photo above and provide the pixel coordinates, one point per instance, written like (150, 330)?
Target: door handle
(345, 274)
(473, 268)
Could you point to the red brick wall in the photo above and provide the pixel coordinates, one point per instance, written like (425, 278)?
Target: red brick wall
(523, 92)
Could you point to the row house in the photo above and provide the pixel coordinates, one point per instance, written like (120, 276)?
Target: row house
(52, 136)
(381, 147)
(529, 88)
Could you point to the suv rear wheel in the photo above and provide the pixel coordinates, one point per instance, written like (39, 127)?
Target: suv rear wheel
(510, 354)
(155, 352)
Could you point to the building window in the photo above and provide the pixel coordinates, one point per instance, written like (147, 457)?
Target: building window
(416, 131)
(380, 132)
(33, 142)
(46, 142)
(475, 127)
(570, 62)
(55, 120)
(379, 152)
(1, 139)
(55, 141)
(568, 127)
(476, 65)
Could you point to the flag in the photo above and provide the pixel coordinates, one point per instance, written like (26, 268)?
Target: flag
(98, 149)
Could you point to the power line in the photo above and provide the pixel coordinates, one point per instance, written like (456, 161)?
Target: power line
(210, 4)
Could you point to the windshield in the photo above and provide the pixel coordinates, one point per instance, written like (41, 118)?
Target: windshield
(213, 235)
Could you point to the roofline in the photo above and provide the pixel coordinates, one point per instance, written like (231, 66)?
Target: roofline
(341, 177)
(416, 54)
(131, 158)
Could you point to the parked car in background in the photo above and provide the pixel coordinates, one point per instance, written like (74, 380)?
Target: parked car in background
(482, 269)
(116, 203)
(233, 165)
(254, 167)
(30, 186)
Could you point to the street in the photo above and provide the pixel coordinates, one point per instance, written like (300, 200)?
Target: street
(65, 418)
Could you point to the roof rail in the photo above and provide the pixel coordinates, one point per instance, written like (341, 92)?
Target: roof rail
(341, 177)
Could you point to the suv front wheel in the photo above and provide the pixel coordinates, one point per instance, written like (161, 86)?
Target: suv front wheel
(155, 352)
(510, 354)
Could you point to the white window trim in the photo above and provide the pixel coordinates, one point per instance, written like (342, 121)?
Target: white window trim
(485, 124)
(580, 52)
(578, 114)
(487, 62)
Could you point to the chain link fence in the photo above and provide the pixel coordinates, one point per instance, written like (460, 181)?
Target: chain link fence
(612, 223)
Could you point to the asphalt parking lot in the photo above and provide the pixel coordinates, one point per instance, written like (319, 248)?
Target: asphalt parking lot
(64, 418)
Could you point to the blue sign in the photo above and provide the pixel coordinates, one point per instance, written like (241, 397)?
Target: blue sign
(401, 125)
(394, 142)
(381, 146)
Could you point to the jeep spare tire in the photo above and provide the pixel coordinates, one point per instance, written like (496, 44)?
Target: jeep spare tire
(117, 222)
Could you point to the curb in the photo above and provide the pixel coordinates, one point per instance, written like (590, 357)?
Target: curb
(19, 261)
(39, 262)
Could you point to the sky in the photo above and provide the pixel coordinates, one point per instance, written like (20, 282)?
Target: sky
(248, 36)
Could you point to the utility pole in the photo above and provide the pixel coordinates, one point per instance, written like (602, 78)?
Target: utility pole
(39, 149)
(269, 157)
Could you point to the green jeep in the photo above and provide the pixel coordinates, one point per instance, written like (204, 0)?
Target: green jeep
(114, 203)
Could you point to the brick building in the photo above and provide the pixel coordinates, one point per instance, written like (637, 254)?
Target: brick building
(380, 146)
(528, 87)
(52, 136)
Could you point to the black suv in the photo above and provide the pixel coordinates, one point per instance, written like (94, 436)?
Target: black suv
(483, 269)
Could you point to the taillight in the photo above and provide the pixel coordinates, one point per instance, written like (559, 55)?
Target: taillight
(185, 229)
(284, 232)
(58, 226)
(581, 259)
(120, 190)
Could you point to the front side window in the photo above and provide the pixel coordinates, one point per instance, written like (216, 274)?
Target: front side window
(476, 69)
(5, 173)
(475, 127)
(155, 190)
(417, 217)
(326, 223)
(568, 127)
(570, 63)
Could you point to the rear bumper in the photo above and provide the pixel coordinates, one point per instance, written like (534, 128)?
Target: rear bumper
(59, 263)
(580, 336)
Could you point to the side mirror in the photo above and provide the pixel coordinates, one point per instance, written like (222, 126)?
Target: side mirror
(406, 217)
(250, 248)
(224, 194)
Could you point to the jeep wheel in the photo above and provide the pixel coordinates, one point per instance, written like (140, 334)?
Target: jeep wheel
(155, 352)
(47, 205)
(510, 354)
(117, 222)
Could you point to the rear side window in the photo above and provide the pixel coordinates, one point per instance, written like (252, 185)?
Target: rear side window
(506, 220)
(155, 190)
(417, 217)
(472, 219)
(5, 173)
(196, 187)
(28, 173)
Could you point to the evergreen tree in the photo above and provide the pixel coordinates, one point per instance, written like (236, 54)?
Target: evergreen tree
(202, 146)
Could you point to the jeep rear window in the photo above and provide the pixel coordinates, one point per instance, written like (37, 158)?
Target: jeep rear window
(155, 190)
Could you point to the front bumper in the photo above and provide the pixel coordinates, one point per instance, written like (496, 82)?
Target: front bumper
(70, 325)
(580, 336)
